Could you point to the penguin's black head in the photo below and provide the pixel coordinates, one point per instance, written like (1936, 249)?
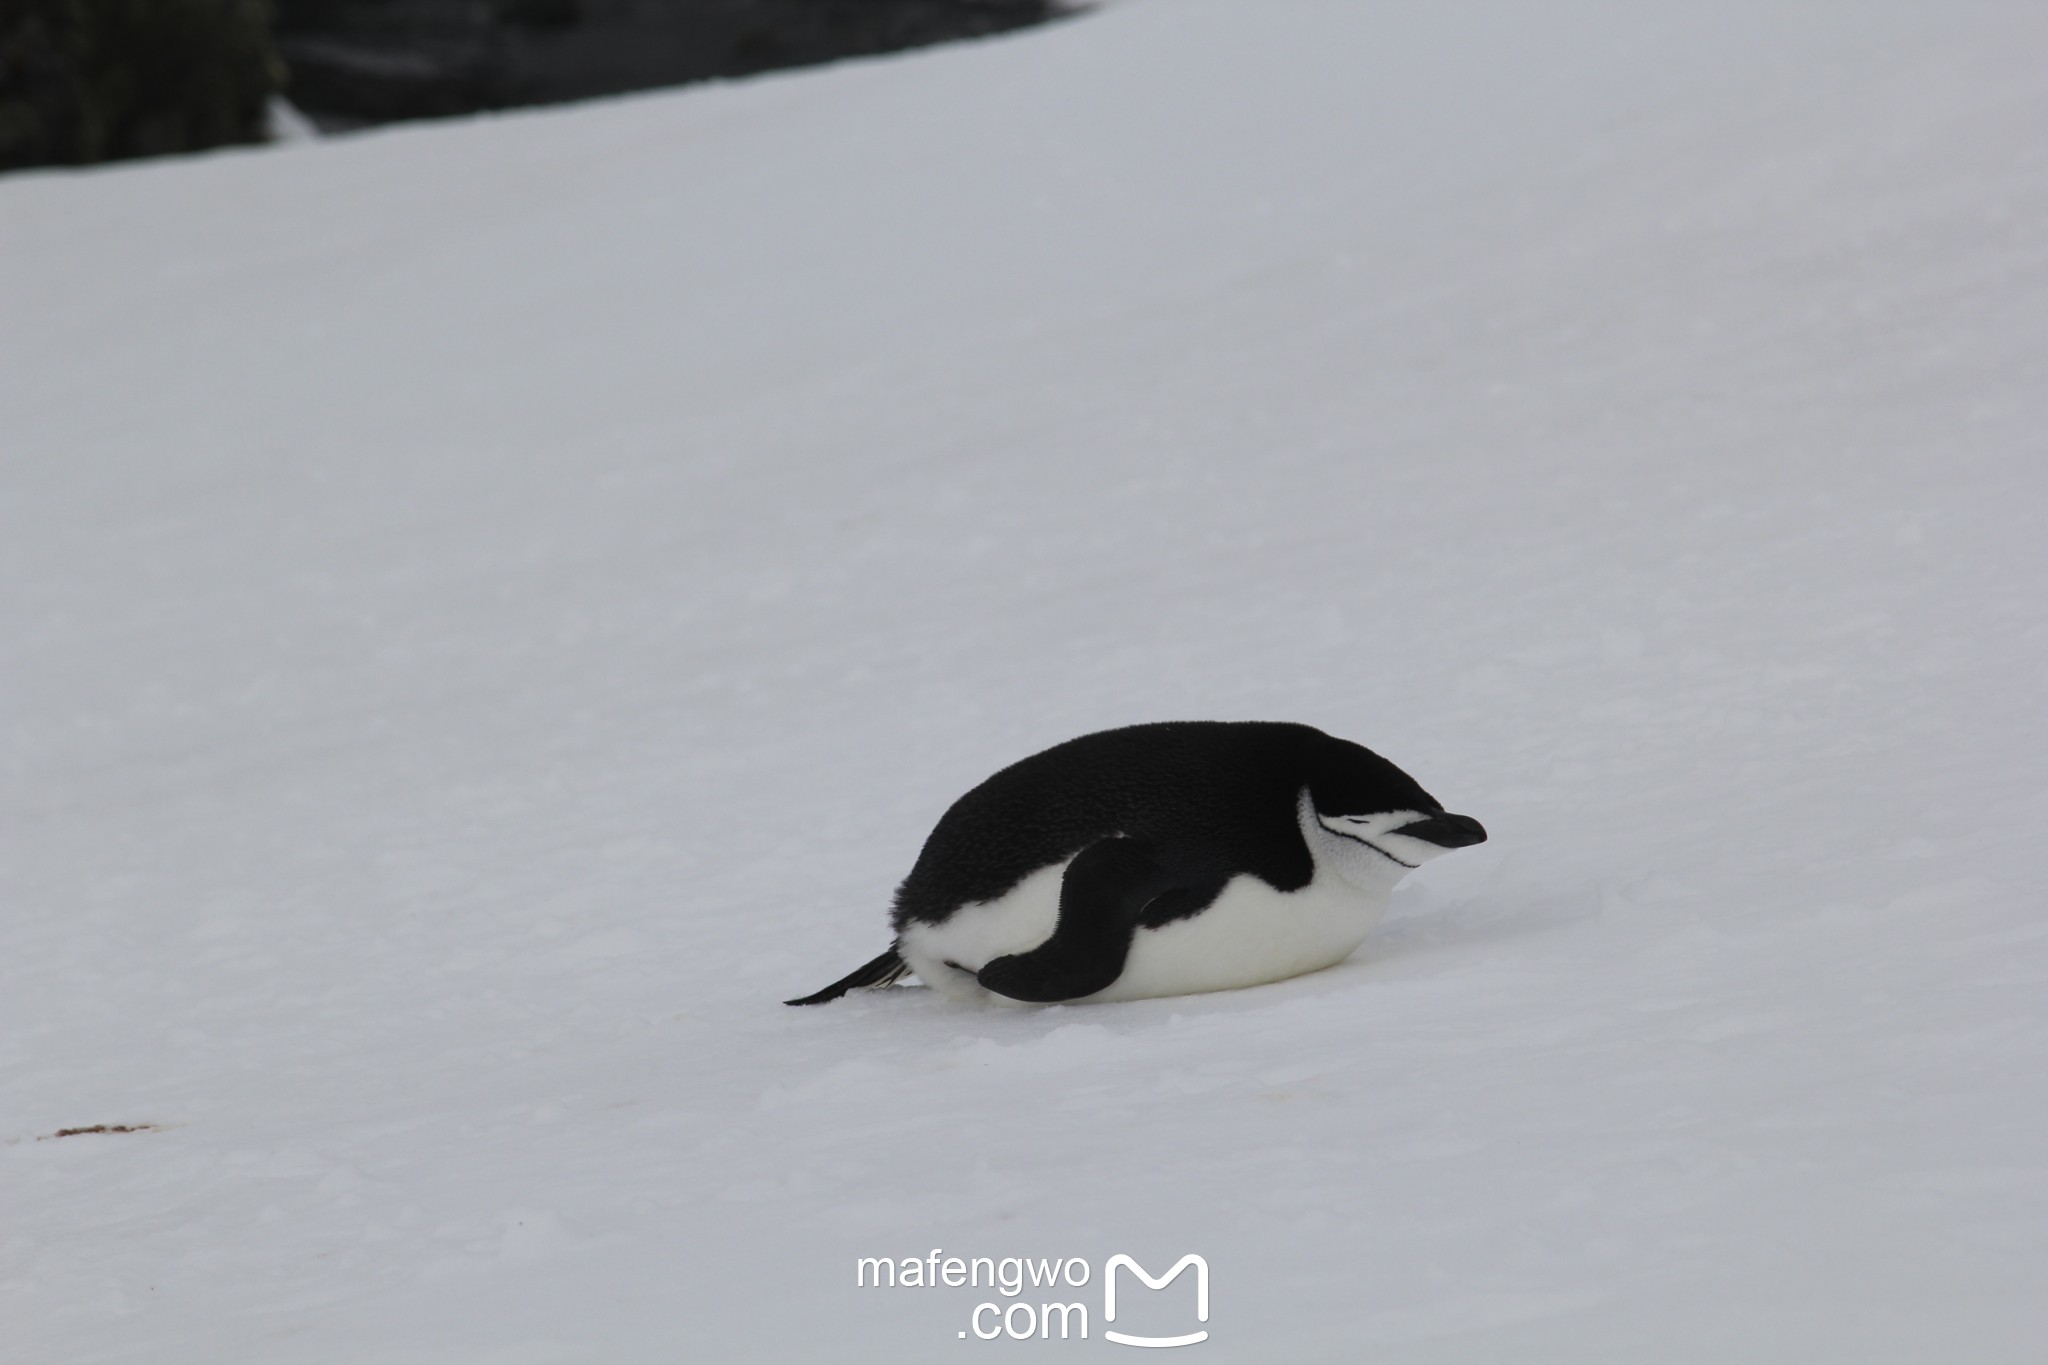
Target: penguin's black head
(1361, 796)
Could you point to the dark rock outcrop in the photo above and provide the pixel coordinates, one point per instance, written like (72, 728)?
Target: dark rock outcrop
(368, 61)
(94, 80)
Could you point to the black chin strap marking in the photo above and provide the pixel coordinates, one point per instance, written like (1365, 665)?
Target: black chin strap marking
(1371, 845)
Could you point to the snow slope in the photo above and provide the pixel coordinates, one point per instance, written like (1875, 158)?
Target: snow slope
(493, 607)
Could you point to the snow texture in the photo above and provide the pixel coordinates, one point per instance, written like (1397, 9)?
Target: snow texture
(491, 608)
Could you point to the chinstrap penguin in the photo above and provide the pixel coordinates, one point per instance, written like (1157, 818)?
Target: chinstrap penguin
(1163, 859)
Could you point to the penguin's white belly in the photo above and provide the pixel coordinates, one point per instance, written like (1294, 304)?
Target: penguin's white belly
(1250, 934)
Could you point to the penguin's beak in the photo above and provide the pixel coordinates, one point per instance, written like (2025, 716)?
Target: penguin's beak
(1446, 831)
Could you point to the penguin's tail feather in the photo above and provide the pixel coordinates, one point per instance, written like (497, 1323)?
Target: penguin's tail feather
(886, 970)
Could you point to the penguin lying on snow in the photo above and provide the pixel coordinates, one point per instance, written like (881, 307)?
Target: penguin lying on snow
(1160, 859)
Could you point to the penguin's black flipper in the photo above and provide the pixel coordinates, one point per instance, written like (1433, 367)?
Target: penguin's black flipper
(885, 970)
(1105, 889)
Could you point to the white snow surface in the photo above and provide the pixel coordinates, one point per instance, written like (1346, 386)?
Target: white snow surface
(490, 608)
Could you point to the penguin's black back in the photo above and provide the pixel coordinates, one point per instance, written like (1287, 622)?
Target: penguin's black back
(1218, 797)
